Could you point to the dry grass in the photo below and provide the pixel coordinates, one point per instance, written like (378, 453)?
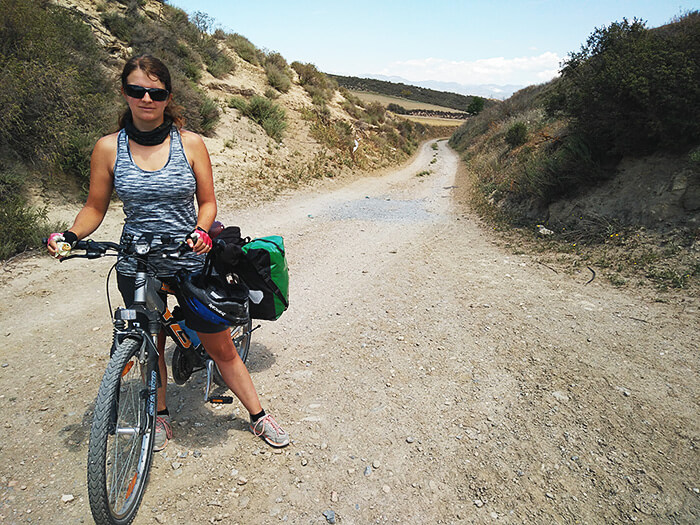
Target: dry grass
(385, 100)
(449, 124)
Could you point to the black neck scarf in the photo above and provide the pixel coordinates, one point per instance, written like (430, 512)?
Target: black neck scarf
(147, 138)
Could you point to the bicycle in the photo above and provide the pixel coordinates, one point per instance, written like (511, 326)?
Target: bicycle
(120, 449)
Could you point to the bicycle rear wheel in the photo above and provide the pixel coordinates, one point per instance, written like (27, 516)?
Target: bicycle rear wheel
(240, 334)
(241, 338)
(122, 435)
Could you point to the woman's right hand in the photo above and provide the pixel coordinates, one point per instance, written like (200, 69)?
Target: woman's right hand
(60, 244)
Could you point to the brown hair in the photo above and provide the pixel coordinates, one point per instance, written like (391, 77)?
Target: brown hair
(153, 67)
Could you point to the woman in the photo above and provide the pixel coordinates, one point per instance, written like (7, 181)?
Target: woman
(157, 169)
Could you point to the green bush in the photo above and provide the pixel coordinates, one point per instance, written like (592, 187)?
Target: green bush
(272, 94)
(264, 112)
(21, 226)
(374, 113)
(245, 49)
(278, 78)
(220, 65)
(209, 113)
(476, 106)
(516, 135)
(317, 84)
(118, 25)
(396, 108)
(238, 103)
(631, 90)
(351, 109)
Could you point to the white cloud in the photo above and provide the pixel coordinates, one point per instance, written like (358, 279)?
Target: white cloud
(522, 70)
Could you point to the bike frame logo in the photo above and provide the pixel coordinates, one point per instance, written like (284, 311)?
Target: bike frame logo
(152, 388)
(176, 330)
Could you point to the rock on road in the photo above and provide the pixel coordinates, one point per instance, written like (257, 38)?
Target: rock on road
(425, 374)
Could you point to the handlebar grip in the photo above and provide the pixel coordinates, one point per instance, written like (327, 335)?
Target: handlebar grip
(183, 249)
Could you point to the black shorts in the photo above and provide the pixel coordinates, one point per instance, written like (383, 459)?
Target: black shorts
(193, 321)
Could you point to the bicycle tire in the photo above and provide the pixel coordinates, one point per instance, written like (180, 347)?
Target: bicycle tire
(240, 334)
(122, 435)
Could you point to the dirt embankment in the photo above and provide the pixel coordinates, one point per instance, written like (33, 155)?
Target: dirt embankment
(426, 375)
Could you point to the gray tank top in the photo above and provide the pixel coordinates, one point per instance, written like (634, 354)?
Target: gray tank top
(159, 203)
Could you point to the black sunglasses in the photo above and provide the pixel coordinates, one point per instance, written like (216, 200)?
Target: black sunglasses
(156, 94)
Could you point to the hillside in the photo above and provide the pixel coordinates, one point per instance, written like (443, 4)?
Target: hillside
(268, 125)
(405, 91)
(607, 156)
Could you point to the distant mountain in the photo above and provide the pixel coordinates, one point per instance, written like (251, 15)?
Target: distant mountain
(481, 90)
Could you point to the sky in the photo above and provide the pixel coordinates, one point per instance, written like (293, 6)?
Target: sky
(470, 42)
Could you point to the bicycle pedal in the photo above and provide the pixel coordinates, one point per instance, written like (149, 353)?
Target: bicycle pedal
(221, 400)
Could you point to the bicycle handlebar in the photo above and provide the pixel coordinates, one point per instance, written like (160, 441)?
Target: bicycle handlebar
(97, 249)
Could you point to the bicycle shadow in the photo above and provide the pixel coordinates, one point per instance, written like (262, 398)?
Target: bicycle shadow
(259, 358)
(76, 435)
(197, 423)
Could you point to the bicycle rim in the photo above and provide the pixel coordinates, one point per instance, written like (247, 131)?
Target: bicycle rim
(121, 438)
(241, 338)
(240, 335)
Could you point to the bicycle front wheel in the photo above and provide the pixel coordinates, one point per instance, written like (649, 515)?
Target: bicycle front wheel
(122, 435)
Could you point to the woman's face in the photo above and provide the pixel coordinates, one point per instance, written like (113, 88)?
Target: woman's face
(145, 111)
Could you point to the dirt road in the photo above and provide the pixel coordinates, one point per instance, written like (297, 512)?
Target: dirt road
(425, 375)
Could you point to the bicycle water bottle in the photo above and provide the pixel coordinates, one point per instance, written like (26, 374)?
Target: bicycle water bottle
(191, 334)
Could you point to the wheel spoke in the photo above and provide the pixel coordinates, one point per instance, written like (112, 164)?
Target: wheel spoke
(126, 448)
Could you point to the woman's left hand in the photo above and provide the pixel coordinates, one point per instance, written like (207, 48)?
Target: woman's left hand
(199, 241)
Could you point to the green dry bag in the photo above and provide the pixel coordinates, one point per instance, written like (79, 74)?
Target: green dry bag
(264, 269)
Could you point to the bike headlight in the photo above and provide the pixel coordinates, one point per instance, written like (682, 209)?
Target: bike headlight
(142, 247)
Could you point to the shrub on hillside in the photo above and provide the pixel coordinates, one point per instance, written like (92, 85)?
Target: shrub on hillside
(277, 71)
(516, 135)
(318, 85)
(631, 90)
(278, 79)
(244, 48)
(264, 112)
(374, 113)
(396, 108)
(21, 226)
(272, 94)
(351, 109)
(117, 24)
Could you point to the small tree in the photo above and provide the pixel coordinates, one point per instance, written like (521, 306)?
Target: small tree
(203, 22)
(476, 106)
